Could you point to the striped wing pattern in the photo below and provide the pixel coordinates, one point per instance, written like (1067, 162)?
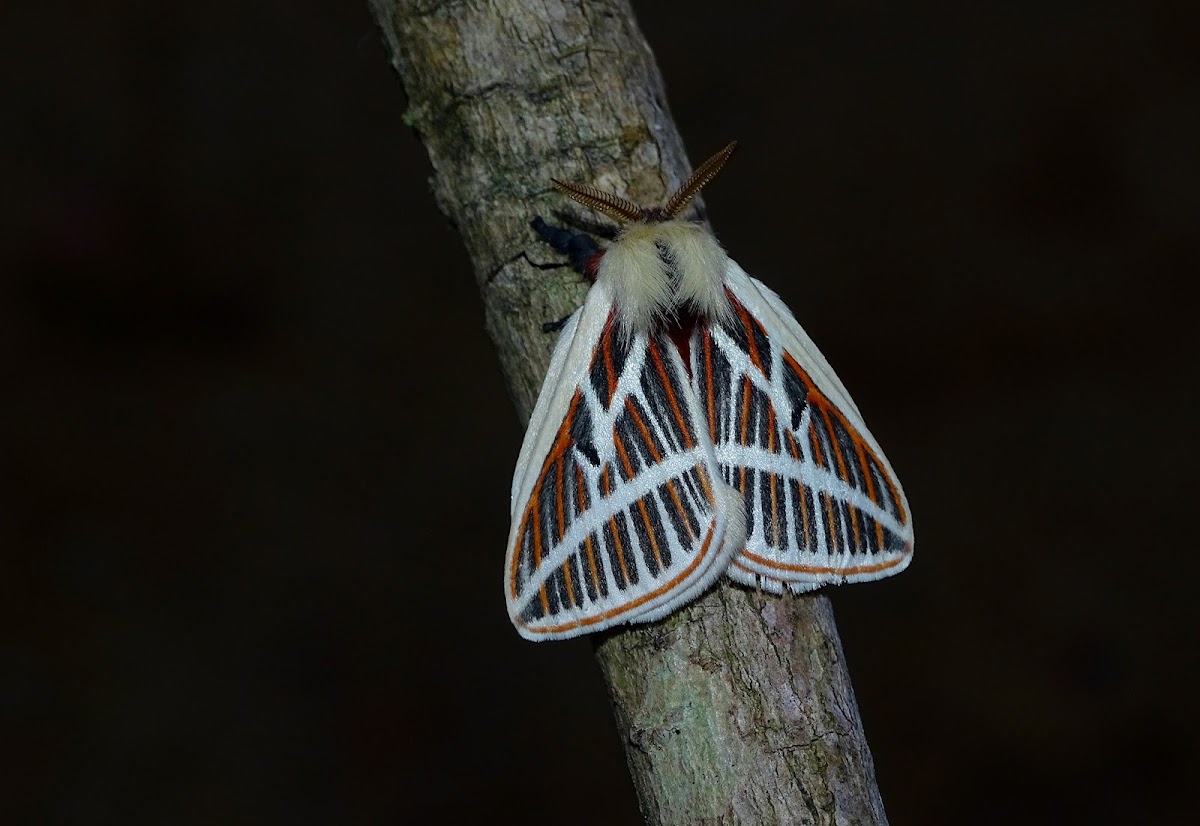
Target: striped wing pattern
(621, 524)
(821, 503)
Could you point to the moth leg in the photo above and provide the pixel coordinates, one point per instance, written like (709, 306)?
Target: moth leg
(580, 248)
(555, 326)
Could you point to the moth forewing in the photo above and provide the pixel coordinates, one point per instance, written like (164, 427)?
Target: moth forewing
(617, 514)
(823, 503)
(767, 305)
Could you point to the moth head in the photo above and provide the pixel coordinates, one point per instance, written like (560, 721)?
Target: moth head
(659, 264)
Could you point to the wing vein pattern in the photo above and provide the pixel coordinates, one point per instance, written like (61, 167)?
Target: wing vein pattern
(621, 523)
(821, 503)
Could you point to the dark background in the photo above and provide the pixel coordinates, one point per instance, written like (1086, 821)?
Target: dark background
(257, 449)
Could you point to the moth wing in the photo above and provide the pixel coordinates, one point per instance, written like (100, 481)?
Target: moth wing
(823, 504)
(617, 515)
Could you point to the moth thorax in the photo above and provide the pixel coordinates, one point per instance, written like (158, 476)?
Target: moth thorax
(654, 270)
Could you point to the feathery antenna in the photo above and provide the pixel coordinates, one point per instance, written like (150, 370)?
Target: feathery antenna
(625, 212)
(616, 208)
(692, 186)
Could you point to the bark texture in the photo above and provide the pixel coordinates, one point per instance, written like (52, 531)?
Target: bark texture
(737, 709)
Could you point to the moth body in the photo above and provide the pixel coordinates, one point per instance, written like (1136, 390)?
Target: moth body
(660, 271)
(687, 428)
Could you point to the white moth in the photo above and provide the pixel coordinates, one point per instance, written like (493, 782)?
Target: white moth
(688, 427)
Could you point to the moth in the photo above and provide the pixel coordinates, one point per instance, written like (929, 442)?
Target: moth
(687, 428)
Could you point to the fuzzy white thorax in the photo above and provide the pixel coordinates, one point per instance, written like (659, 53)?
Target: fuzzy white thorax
(655, 269)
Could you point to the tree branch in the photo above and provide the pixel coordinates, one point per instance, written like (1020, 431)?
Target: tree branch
(737, 709)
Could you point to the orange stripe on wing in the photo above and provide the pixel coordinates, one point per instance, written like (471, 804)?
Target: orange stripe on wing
(744, 430)
(706, 484)
(750, 325)
(613, 613)
(775, 520)
(706, 339)
(623, 454)
(654, 454)
(895, 494)
(866, 450)
(744, 427)
(802, 498)
(562, 516)
(616, 538)
(562, 442)
(591, 556)
(851, 514)
(820, 400)
(822, 569)
(793, 448)
(612, 522)
(834, 447)
(687, 525)
(566, 569)
(605, 346)
(860, 449)
(672, 400)
(677, 411)
(516, 563)
(818, 454)
(587, 542)
(645, 431)
(863, 465)
(830, 527)
(650, 532)
(773, 478)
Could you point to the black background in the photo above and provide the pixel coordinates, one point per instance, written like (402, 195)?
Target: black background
(257, 448)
